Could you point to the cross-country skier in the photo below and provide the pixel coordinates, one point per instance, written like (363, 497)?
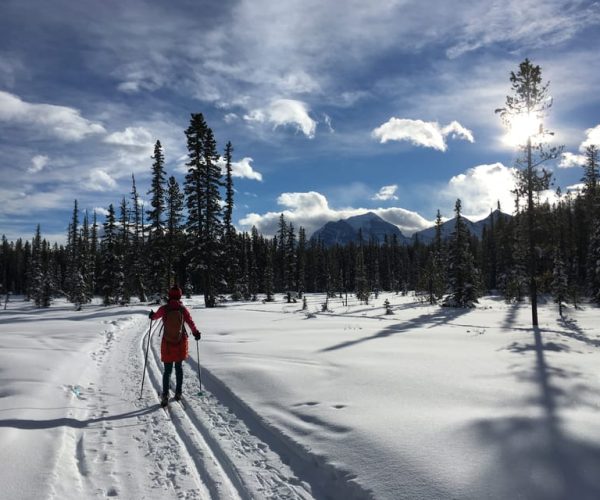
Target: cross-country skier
(174, 346)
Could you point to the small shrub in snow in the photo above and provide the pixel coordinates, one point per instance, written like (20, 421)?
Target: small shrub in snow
(388, 307)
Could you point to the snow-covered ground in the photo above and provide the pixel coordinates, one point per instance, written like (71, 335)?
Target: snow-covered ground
(426, 403)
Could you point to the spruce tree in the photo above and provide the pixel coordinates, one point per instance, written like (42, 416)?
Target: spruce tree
(137, 250)
(111, 265)
(174, 237)
(529, 104)
(203, 199)
(560, 285)
(156, 241)
(231, 264)
(462, 274)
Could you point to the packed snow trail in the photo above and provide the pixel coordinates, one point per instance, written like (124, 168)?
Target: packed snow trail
(241, 446)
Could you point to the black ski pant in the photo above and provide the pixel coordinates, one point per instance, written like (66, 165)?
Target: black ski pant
(178, 377)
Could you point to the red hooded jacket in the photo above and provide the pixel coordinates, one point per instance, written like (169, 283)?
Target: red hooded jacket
(171, 353)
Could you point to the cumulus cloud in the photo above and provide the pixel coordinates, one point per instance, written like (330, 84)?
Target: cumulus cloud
(282, 112)
(100, 180)
(101, 211)
(134, 137)
(38, 162)
(569, 160)
(60, 121)
(421, 133)
(241, 169)
(592, 139)
(386, 193)
(311, 210)
(480, 189)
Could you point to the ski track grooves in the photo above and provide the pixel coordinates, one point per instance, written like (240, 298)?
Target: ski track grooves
(257, 459)
(209, 468)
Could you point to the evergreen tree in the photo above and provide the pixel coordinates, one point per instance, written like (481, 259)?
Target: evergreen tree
(560, 285)
(174, 239)
(462, 274)
(137, 254)
(111, 265)
(301, 262)
(123, 245)
(232, 271)
(205, 227)
(528, 105)
(156, 241)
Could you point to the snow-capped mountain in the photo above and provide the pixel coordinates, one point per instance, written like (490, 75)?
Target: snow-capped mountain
(426, 236)
(348, 230)
(375, 228)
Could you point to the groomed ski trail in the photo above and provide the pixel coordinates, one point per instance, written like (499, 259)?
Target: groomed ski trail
(219, 443)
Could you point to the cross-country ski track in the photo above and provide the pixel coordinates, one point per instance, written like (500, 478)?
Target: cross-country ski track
(211, 447)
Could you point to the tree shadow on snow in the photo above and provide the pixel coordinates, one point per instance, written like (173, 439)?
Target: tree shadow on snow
(534, 457)
(75, 423)
(440, 316)
(36, 315)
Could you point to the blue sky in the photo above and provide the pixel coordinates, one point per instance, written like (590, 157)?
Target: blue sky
(333, 107)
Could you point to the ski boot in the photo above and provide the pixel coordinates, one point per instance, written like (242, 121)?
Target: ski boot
(178, 396)
(164, 400)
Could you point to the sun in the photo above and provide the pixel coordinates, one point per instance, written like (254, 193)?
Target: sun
(521, 127)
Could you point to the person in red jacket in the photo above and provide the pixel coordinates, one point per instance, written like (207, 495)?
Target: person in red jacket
(174, 346)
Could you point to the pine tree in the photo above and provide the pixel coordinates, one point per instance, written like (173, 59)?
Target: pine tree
(36, 276)
(232, 271)
(361, 286)
(530, 104)
(123, 245)
(462, 274)
(301, 262)
(156, 252)
(137, 253)
(174, 238)
(202, 189)
(111, 265)
(560, 286)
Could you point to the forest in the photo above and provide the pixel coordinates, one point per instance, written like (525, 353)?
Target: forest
(187, 236)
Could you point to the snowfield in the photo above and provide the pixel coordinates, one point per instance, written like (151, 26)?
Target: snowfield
(426, 403)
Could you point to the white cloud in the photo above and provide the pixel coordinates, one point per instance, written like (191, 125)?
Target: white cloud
(525, 23)
(282, 112)
(101, 211)
(327, 120)
(456, 131)
(569, 160)
(575, 188)
(593, 138)
(244, 170)
(60, 121)
(100, 180)
(421, 133)
(241, 169)
(386, 193)
(480, 189)
(230, 118)
(134, 137)
(311, 210)
(38, 162)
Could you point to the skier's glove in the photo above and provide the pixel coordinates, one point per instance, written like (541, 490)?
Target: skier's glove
(197, 335)
(151, 314)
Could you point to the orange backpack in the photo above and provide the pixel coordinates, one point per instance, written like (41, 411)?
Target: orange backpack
(173, 324)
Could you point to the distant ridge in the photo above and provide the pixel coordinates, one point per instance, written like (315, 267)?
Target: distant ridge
(426, 236)
(344, 231)
(374, 228)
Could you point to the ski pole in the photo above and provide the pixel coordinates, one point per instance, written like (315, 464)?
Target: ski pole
(198, 364)
(146, 360)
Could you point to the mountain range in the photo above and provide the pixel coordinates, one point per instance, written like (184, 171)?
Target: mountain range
(375, 228)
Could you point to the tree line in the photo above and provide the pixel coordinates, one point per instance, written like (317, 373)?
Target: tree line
(187, 236)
